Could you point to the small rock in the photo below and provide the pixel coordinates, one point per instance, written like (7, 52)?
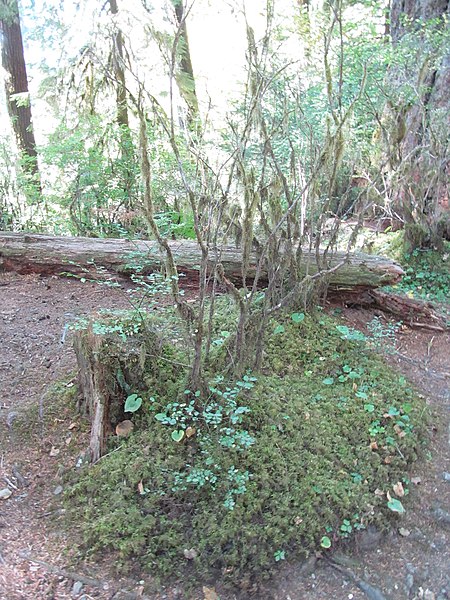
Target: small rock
(58, 490)
(409, 582)
(404, 532)
(5, 494)
(76, 588)
(190, 554)
(446, 476)
(416, 480)
(440, 514)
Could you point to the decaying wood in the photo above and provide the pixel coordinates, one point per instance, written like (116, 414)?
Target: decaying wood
(107, 369)
(413, 312)
(94, 383)
(45, 254)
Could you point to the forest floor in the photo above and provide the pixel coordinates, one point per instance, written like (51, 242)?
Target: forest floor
(41, 437)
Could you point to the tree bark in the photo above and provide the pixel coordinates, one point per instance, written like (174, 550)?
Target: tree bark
(421, 193)
(119, 71)
(45, 254)
(185, 77)
(126, 142)
(16, 82)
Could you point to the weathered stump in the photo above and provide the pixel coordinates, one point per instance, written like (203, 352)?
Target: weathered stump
(100, 398)
(112, 366)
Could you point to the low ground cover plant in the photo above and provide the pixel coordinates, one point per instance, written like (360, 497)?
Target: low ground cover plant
(269, 467)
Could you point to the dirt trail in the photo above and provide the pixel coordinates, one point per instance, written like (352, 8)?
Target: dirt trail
(39, 440)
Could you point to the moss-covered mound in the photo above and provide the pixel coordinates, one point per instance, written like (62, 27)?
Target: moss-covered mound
(267, 468)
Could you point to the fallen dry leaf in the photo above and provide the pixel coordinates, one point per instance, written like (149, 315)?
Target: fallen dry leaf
(190, 431)
(404, 532)
(190, 554)
(373, 446)
(399, 431)
(398, 489)
(124, 428)
(210, 593)
(141, 488)
(54, 451)
(379, 492)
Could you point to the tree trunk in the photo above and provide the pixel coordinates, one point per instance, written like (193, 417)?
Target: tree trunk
(420, 191)
(126, 142)
(119, 71)
(28, 253)
(185, 76)
(16, 82)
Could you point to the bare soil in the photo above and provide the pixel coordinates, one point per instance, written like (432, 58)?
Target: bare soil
(41, 436)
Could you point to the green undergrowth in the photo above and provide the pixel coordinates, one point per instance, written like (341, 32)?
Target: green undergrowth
(427, 275)
(427, 272)
(268, 468)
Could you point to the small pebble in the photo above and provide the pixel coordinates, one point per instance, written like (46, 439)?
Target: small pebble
(76, 588)
(446, 476)
(409, 580)
(5, 494)
(58, 490)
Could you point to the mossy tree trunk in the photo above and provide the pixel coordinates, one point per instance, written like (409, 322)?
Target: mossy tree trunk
(422, 123)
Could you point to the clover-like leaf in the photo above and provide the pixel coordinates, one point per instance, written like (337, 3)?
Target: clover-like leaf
(177, 436)
(325, 542)
(133, 403)
(298, 317)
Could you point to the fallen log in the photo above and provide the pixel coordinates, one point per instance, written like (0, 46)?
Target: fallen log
(49, 255)
(413, 312)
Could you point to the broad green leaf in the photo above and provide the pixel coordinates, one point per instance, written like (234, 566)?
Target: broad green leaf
(298, 317)
(278, 329)
(325, 542)
(133, 403)
(396, 506)
(177, 436)
(328, 381)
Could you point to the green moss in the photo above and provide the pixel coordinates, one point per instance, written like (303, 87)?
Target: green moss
(331, 423)
(427, 275)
